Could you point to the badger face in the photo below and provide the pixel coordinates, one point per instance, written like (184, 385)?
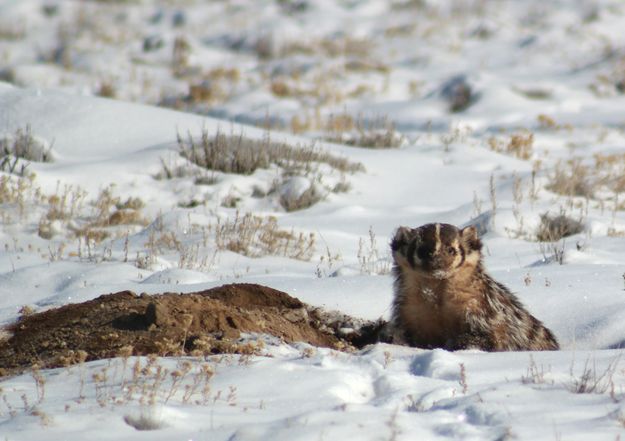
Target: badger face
(435, 250)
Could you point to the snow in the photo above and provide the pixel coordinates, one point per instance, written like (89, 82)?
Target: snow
(523, 60)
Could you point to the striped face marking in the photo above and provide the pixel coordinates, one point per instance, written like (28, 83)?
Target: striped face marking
(438, 249)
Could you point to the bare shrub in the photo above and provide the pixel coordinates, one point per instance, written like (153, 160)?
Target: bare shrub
(519, 145)
(106, 89)
(591, 381)
(180, 56)
(611, 169)
(555, 228)
(553, 251)
(21, 145)
(458, 93)
(255, 236)
(572, 178)
(308, 198)
(378, 133)
(534, 374)
(534, 93)
(354, 48)
(369, 256)
(242, 155)
(170, 170)
(588, 180)
(546, 122)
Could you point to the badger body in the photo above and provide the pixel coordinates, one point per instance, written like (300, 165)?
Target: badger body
(444, 298)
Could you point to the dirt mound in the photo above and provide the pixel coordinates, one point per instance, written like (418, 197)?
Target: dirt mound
(206, 322)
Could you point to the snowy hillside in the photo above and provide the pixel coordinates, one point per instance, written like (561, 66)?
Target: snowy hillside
(367, 116)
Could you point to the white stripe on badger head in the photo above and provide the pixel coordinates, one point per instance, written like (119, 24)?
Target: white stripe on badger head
(437, 236)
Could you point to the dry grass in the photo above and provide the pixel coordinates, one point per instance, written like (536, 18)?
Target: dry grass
(321, 88)
(77, 227)
(67, 214)
(214, 86)
(378, 133)
(592, 381)
(519, 145)
(307, 199)
(611, 169)
(107, 89)
(19, 147)
(249, 235)
(603, 180)
(555, 228)
(256, 236)
(238, 154)
(546, 122)
(535, 374)
(369, 256)
(343, 128)
(242, 155)
(534, 93)
(180, 56)
(19, 191)
(345, 46)
(124, 381)
(572, 178)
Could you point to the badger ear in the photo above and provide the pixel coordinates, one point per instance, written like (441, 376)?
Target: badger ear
(470, 237)
(402, 237)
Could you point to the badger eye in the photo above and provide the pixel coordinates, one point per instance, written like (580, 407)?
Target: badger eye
(424, 253)
(451, 250)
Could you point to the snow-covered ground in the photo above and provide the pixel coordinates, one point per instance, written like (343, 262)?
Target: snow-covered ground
(543, 133)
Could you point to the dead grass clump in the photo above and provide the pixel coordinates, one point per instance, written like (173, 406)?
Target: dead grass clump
(458, 93)
(320, 87)
(338, 46)
(611, 168)
(249, 235)
(130, 203)
(347, 46)
(602, 180)
(18, 190)
(555, 228)
(106, 89)
(520, 145)
(282, 89)
(238, 154)
(369, 256)
(535, 374)
(126, 217)
(243, 155)
(204, 91)
(171, 170)
(22, 146)
(66, 212)
(534, 93)
(572, 178)
(223, 153)
(180, 56)
(257, 236)
(377, 133)
(308, 198)
(215, 86)
(65, 203)
(546, 122)
(592, 381)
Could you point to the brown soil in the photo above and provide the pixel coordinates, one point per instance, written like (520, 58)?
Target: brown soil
(207, 322)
